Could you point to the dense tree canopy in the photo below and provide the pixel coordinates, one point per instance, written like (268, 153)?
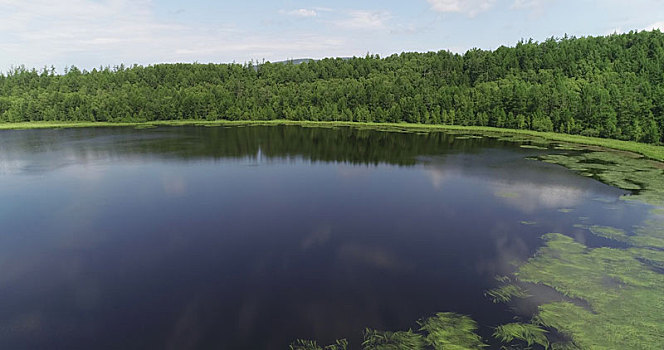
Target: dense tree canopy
(609, 86)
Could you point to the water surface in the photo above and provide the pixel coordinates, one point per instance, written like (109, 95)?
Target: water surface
(252, 237)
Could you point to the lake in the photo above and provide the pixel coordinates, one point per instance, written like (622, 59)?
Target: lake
(252, 237)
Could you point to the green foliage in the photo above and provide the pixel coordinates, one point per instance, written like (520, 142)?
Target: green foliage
(381, 340)
(613, 295)
(444, 331)
(613, 233)
(451, 331)
(625, 309)
(301, 344)
(608, 86)
(623, 170)
(527, 332)
(505, 293)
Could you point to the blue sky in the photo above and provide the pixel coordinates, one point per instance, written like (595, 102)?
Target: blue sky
(93, 33)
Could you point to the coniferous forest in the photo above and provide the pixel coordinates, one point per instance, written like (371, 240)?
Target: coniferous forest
(611, 86)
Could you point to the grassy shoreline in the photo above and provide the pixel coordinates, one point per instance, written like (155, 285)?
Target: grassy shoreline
(649, 151)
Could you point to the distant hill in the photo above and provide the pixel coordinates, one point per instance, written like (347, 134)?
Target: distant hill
(296, 61)
(307, 60)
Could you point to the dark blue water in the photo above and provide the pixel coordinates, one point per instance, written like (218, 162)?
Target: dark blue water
(247, 238)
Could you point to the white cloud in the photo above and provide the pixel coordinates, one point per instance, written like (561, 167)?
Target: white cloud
(359, 19)
(537, 8)
(525, 4)
(468, 7)
(300, 13)
(529, 197)
(89, 33)
(657, 25)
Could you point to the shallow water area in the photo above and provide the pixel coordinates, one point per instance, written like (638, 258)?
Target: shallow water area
(243, 238)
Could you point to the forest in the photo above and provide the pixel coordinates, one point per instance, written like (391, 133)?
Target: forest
(607, 86)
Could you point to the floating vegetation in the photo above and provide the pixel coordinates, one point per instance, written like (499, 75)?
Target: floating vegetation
(300, 344)
(533, 147)
(145, 126)
(528, 222)
(448, 330)
(625, 304)
(621, 169)
(603, 200)
(613, 233)
(468, 137)
(615, 295)
(568, 147)
(503, 279)
(622, 288)
(522, 138)
(445, 330)
(649, 235)
(505, 293)
(526, 332)
(381, 340)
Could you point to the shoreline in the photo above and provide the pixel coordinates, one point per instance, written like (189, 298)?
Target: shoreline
(650, 151)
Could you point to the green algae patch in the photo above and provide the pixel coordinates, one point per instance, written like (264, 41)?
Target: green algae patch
(300, 344)
(528, 223)
(534, 147)
(385, 340)
(468, 137)
(528, 333)
(504, 294)
(445, 330)
(617, 295)
(625, 304)
(649, 235)
(613, 233)
(568, 147)
(620, 169)
(506, 194)
(146, 126)
(448, 330)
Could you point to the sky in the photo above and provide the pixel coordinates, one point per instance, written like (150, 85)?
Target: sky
(94, 33)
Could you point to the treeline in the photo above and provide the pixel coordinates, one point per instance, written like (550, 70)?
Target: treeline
(610, 86)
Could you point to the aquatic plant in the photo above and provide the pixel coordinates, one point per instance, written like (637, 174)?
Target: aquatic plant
(613, 233)
(444, 331)
(614, 296)
(621, 169)
(533, 147)
(384, 340)
(527, 332)
(504, 294)
(448, 330)
(301, 344)
(625, 306)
